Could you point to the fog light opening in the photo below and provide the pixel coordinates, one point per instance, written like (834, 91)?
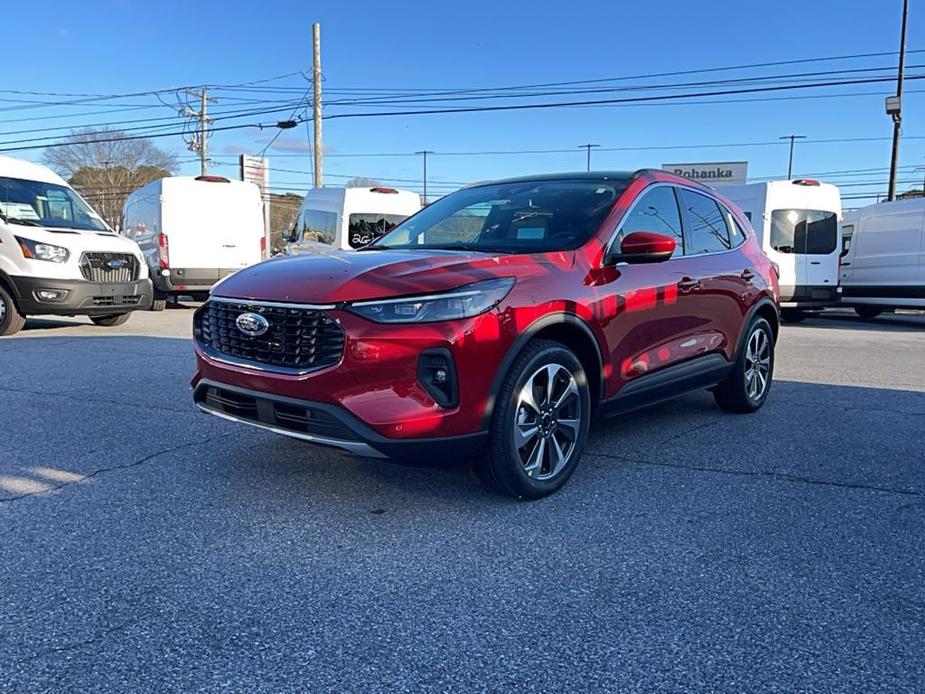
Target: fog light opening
(50, 294)
(437, 374)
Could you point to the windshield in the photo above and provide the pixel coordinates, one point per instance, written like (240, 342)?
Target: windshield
(813, 232)
(366, 227)
(46, 204)
(520, 217)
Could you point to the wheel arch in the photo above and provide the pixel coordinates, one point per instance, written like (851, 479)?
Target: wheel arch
(10, 286)
(567, 329)
(765, 308)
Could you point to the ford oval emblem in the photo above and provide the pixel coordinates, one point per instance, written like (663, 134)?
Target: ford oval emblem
(116, 264)
(252, 324)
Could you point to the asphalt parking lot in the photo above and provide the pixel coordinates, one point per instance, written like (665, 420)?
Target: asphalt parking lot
(149, 547)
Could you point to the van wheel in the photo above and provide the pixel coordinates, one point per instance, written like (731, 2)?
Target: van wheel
(160, 301)
(747, 387)
(792, 315)
(868, 312)
(11, 320)
(111, 321)
(540, 423)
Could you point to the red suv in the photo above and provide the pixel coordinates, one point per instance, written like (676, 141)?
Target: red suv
(496, 323)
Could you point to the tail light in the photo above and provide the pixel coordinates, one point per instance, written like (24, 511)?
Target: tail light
(163, 252)
(806, 182)
(263, 246)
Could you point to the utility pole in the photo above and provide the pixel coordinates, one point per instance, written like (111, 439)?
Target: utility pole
(894, 104)
(317, 147)
(588, 148)
(790, 161)
(198, 141)
(424, 153)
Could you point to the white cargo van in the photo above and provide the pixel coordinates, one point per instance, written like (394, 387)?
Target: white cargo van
(349, 218)
(195, 231)
(883, 262)
(797, 223)
(57, 256)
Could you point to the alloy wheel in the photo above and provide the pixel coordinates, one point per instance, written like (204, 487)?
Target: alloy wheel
(547, 421)
(757, 364)
(2, 309)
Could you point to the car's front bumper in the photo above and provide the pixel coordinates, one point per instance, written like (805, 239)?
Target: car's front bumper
(80, 297)
(327, 425)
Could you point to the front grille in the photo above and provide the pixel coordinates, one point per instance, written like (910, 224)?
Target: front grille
(124, 300)
(231, 403)
(311, 421)
(109, 267)
(298, 339)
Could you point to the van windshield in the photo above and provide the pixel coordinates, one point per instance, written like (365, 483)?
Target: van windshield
(517, 217)
(46, 204)
(812, 232)
(366, 227)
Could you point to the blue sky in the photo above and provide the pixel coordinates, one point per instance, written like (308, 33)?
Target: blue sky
(120, 46)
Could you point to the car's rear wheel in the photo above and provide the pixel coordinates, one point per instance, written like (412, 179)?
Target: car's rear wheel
(868, 312)
(540, 423)
(111, 321)
(11, 320)
(747, 386)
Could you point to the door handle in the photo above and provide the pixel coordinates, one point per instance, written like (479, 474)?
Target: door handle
(747, 275)
(688, 284)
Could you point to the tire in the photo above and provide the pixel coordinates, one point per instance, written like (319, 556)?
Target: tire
(160, 301)
(534, 469)
(11, 320)
(754, 368)
(867, 312)
(111, 321)
(792, 315)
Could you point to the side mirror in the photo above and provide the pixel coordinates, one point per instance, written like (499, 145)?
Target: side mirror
(643, 247)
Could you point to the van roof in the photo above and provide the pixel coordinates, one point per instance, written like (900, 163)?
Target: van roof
(28, 170)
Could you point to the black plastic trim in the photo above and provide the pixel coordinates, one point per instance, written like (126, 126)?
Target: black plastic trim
(665, 384)
(80, 296)
(418, 450)
(452, 380)
(886, 291)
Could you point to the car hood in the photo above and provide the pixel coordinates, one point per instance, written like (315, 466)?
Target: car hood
(338, 276)
(76, 240)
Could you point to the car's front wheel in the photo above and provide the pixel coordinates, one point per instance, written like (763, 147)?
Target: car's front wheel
(540, 423)
(11, 320)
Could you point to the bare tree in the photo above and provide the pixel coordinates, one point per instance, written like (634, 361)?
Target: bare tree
(362, 182)
(106, 169)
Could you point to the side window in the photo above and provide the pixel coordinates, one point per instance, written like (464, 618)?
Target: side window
(847, 232)
(706, 230)
(317, 226)
(736, 233)
(748, 215)
(657, 210)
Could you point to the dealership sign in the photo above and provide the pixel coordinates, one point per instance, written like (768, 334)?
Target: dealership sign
(712, 173)
(256, 170)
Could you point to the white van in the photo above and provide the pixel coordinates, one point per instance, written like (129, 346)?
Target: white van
(797, 223)
(883, 262)
(350, 218)
(195, 231)
(57, 256)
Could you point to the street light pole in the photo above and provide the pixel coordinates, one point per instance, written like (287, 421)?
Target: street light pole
(895, 109)
(588, 148)
(790, 160)
(424, 153)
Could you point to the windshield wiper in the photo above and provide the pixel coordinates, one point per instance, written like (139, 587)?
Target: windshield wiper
(24, 222)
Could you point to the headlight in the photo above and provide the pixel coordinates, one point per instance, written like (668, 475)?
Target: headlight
(43, 251)
(464, 302)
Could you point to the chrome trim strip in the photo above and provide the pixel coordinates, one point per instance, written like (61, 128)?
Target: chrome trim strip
(422, 297)
(216, 356)
(272, 304)
(354, 447)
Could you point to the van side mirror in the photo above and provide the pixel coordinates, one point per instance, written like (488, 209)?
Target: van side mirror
(642, 247)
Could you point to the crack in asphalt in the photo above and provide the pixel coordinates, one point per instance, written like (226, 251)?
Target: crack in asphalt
(84, 643)
(104, 401)
(113, 468)
(781, 476)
